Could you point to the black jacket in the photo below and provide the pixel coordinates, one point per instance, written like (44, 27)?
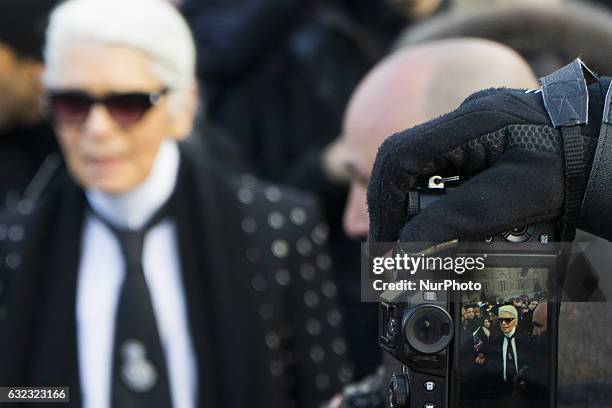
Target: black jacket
(240, 301)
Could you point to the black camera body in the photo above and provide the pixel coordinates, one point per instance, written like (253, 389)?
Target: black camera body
(425, 330)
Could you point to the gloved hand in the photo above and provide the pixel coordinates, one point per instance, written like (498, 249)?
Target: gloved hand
(503, 139)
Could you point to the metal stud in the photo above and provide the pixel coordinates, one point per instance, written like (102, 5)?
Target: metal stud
(245, 196)
(273, 194)
(317, 354)
(324, 261)
(339, 346)
(277, 368)
(13, 260)
(334, 317)
(307, 271)
(272, 341)
(259, 283)
(280, 248)
(322, 381)
(345, 374)
(282, 277)
(304, 247)
(329, 289)
(248, 180)
(298, 215)
(313, 327)
(276, 220)
(16, 233)
(25, 206)
(320, 233)
(311, 299)
(249, 225)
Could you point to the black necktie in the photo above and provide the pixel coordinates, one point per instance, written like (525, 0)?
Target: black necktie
(139, 375)
(510, 361)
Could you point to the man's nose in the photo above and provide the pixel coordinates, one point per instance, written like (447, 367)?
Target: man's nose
(98, 123)
(356, 220)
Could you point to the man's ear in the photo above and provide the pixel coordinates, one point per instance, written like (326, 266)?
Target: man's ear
(183, 105)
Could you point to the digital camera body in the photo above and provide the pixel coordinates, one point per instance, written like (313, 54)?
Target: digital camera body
(448, 359)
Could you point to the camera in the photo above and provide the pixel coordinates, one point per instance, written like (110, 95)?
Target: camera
(467, 339)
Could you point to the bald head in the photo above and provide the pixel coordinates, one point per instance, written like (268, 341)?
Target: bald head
(412, 86)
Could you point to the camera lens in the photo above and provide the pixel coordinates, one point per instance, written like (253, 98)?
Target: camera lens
(428, 328)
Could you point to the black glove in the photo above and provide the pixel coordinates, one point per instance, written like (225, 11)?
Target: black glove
(504, 141)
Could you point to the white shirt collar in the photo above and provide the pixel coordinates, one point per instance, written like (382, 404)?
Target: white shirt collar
(135, 207)
(508, 335)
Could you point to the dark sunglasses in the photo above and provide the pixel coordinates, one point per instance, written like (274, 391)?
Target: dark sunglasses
(506, 320)
(73, 107)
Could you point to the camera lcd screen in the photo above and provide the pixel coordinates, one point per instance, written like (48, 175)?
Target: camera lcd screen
(503, 343)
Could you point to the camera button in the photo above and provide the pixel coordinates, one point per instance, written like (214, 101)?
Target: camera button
(429, 405)
(429, 386)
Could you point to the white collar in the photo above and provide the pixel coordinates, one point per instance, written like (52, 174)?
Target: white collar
(135, 207)
(508, 335)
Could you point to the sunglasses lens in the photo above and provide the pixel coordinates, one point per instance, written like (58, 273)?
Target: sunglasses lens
(128, 109)
(70, 107)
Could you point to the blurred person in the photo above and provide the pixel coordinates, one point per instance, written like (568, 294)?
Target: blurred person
(484, 334)
(505, 357)
(149, 277)
(278, 75)
(388, 100)
(26, 139)
(547, 33)
(411, 86)
(540, 320)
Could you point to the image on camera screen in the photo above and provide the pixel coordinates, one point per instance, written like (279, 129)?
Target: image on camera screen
(503, 345)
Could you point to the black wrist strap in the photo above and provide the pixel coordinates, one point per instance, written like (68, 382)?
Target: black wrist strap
(598, 196)
(566, 100)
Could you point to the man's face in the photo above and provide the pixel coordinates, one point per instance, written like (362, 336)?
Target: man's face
(476, 312)
(100, 152)
(533, 304)
(540, 320)
(507, 322)
(377, 109)
(469, 313)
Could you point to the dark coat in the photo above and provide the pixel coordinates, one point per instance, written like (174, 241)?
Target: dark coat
(260, 301)
(278, 76)
(490, 375)
(23, 150)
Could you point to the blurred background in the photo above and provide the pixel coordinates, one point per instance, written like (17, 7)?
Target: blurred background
(275, 77)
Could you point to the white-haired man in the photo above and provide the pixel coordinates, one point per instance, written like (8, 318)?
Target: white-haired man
(146, 277)
(503, 359)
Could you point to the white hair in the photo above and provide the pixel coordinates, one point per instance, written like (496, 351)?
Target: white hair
(153, 27)
(508, 309)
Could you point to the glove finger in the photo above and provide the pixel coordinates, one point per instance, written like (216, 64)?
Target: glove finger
(468, 139)
(522, 188)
